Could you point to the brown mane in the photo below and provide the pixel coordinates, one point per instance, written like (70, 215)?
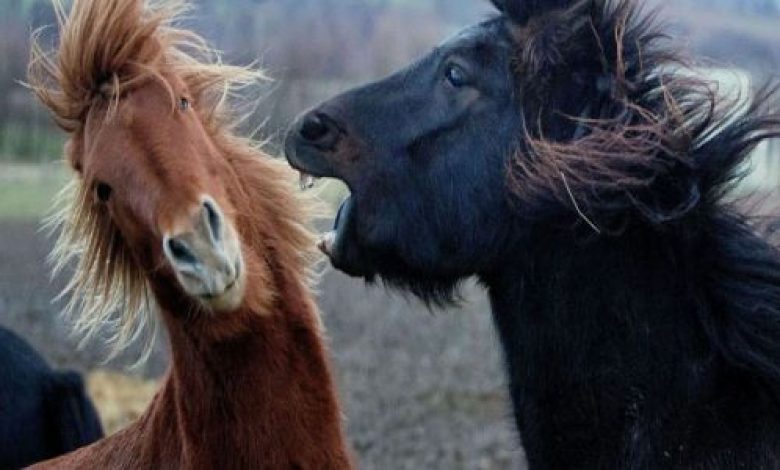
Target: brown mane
(97, 64)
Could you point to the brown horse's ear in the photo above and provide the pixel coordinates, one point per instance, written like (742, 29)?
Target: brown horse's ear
(520, 12)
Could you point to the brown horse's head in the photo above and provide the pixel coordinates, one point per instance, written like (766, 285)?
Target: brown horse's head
(163, 188)
(152, 170)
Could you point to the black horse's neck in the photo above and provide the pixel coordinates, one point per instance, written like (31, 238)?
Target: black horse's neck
(607, 350)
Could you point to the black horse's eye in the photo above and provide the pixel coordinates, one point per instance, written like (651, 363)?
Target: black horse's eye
(456, 75)
(184, 104)
(103, 192)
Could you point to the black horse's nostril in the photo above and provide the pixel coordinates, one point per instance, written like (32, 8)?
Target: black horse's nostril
(314, 128)
(180, 252)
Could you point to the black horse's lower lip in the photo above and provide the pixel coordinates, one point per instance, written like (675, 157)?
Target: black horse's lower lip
(334, 242)
(343, 214)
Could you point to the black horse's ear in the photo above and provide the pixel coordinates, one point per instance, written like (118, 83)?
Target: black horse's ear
(513, 9)
(499, 4)
(521, 11)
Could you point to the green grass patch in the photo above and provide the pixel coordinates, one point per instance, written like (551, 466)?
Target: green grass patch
(29, 199)
(26, 143)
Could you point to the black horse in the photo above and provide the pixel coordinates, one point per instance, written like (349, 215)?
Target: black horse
(43, 413)
(561, 154)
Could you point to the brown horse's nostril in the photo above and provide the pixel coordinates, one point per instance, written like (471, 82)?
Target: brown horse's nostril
(180, 252)
(213, 219)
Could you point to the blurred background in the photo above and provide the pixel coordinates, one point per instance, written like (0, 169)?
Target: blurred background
(421, 389)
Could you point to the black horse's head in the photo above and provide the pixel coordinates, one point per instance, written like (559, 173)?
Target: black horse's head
(421, 153)
(564, 113)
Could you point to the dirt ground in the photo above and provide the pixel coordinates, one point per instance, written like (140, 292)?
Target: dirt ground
(420, 389)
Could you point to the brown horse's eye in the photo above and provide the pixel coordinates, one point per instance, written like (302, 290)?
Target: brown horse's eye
(184, 104)
(103, 192)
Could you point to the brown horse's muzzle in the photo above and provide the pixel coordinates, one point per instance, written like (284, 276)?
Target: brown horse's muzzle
(206, 257)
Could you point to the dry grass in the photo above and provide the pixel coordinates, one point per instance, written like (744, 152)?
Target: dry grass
(119, 399)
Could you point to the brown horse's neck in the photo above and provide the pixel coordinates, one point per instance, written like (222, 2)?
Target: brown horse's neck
(252, 388)
(261, 396)
(260, 399)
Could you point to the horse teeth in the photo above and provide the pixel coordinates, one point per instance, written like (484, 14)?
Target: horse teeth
(307, 181)
(326, 243)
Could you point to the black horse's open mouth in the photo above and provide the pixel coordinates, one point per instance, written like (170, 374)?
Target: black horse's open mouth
(312, 166)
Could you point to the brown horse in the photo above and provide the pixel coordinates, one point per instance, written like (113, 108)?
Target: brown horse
(171, 212)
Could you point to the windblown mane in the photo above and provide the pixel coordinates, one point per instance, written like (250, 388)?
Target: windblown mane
(619, 126)
(106, 48)
(621, 134)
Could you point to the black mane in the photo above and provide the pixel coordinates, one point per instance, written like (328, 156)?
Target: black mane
(617, 118)
(654, 146)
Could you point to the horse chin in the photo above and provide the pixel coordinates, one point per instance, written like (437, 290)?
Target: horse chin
(341, 245)
(229, 300)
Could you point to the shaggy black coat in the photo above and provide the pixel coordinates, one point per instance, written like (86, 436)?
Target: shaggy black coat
(43, 413)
